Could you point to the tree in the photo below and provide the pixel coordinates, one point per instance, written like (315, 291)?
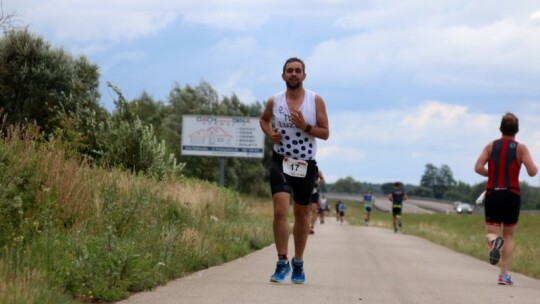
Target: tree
(347, 185)
(246, 175)
(421, 192)
(528, 194)
(150, 111)
(125, 141)
(38, 82)
(446, 177)
(387, 188)
(429, 179)
(460, 192)
(439, 180)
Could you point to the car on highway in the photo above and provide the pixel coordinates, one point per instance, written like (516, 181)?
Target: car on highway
(463, 208)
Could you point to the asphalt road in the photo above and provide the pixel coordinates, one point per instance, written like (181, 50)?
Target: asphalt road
(382, 203)
(349, 264)
(411, 205)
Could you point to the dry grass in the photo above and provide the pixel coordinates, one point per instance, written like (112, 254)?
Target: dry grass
(84, 223)
(67, 181)
(200, 197)
(28, 286)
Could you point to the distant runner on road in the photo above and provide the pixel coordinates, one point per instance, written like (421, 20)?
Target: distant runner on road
(341, 211)
(315, 199)
(369, 203)
(323, 208)
(397, 196)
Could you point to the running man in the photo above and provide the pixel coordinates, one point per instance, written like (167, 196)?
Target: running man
(323, 207)
(504, 157)
(341, 211)
(315, 197)
(397, 197)
(369, 203)
(299, 117)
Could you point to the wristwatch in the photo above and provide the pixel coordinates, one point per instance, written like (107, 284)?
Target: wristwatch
(308, 128)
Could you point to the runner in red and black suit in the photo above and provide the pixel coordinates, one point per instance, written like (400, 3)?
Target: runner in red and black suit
(502, 188)
(504, 158)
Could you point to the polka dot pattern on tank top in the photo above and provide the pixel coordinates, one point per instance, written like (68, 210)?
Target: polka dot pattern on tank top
(295, 144)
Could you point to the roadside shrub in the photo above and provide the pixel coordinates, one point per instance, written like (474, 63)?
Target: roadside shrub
(125, 141)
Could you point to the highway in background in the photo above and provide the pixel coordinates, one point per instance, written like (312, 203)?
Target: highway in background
(412, 205)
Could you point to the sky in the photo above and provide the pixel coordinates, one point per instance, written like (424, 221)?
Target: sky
(405, 83)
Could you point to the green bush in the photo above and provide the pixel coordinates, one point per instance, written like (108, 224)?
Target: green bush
(125, 141)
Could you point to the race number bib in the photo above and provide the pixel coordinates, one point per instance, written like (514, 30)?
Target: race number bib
(295, 167)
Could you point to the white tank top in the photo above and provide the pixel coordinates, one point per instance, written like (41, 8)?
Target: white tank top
(295, 142)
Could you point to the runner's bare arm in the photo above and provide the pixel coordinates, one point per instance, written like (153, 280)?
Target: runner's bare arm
(480, 166)
(321, 130)
(527, 160)
(266, 122)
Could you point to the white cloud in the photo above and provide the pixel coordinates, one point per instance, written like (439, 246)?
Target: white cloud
(88, 22)
(435, 113)
(227, 19)
(238, 47)
(232, 86)
(389, 143)
(339, 154)
(458, 57)
(384, 144)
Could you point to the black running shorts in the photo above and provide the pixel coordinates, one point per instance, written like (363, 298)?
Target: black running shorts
(315, 198)
(396, 209)
(502, 207)
(301, 187)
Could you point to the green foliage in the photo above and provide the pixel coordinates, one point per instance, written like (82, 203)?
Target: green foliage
(387, 188)
(18, 189)
(242, 174)
(461, 192)
(150, 111)
(37, 80)
(421, 192)
(125, 141)
(528, 195)
(137, 232)
(145, 135)
(438, 179)
(347, 185)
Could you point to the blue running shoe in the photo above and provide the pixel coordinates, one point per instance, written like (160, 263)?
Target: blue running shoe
(298, 276)
(495, 250)
(282, 270)
(505, 279)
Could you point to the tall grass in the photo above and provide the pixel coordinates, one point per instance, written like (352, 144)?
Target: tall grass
(70, 232)
(463, 233)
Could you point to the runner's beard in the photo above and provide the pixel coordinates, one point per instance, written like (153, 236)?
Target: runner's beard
(293, 86)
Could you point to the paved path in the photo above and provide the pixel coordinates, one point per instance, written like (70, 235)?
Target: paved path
(383, 204)
(347, 264)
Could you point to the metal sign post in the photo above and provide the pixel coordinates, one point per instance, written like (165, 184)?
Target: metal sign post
(222, 171)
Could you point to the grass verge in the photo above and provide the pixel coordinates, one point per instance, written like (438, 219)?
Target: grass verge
(462, 233)
(72, 233)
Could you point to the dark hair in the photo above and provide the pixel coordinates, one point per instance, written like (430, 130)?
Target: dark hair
(509, 124)
(397, 184)
(295, 59)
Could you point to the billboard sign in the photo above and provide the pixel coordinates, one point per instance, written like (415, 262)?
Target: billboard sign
(222, 136)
